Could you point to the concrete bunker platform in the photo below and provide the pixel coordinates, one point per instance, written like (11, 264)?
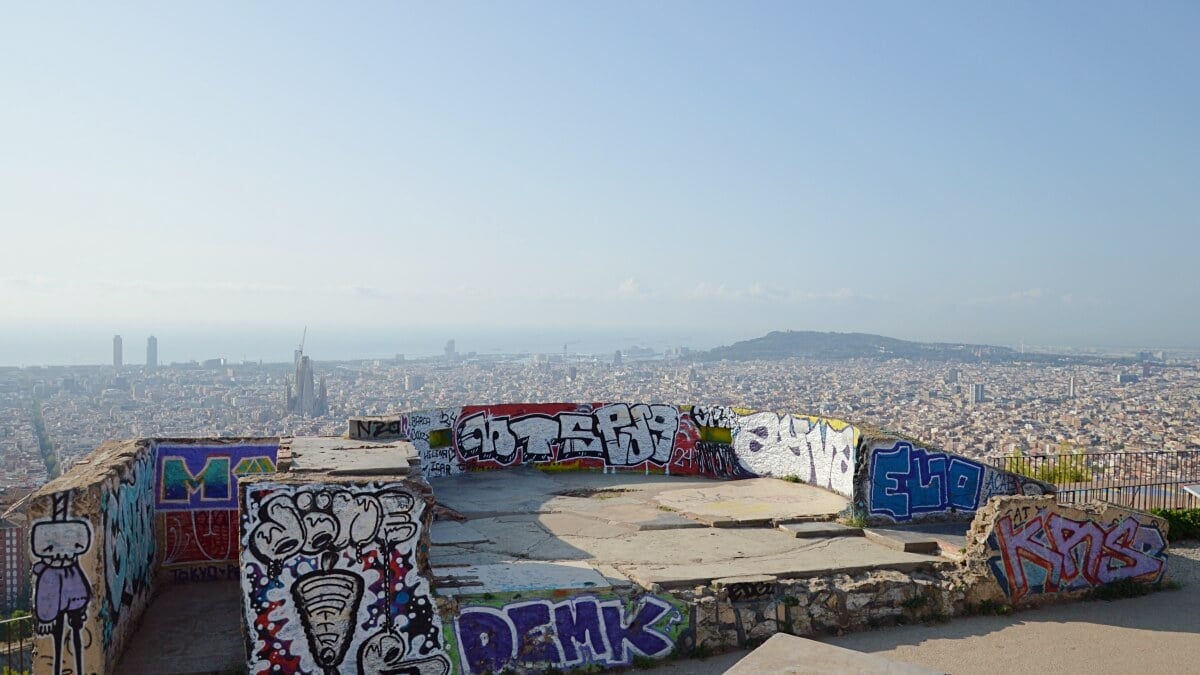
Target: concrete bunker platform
(653, 531)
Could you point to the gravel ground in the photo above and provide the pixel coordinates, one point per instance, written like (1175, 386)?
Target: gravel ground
(1157, 633)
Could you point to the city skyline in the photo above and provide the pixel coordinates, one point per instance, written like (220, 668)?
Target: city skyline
(964, 173)
(347, 346)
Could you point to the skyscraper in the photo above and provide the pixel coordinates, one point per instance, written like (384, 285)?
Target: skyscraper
(1072, 390)
(151, 352)
(977, 393)
(450, 350)
(118, 354)
(305, 399)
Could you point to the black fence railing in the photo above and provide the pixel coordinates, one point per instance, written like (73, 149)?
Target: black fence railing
(1139, 480)
(17, 657)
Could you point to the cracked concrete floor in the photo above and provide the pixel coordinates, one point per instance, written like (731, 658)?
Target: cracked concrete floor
(650, 529)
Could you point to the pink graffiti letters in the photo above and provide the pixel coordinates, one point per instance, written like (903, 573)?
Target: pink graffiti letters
(1051, 553)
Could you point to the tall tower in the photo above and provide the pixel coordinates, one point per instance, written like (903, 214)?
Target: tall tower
(118, 354)
(1072, 390)
(151, 352)
(450, 349)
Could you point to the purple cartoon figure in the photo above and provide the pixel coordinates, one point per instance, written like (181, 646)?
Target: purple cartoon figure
(62, 590)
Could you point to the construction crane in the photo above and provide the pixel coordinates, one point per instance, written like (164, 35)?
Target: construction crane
(303, 337)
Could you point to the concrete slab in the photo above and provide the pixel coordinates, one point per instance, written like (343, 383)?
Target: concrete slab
(785, 654)
(340, 456)
(450, 533)
(757, 501)
(908, 541)
(806, 558)
(519, 577)
(494, 493)
(820, 530)
(168, 640)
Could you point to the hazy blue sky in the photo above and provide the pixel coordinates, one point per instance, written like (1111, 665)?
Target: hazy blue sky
(958, 171)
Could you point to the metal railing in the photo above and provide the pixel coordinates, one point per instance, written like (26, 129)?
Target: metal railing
(1139, 480)
(17, 657)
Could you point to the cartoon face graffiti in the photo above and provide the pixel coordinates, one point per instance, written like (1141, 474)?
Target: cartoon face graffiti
(62, 591)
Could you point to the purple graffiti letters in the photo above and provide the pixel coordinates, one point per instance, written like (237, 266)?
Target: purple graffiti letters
(569, 633)
(1052, 553)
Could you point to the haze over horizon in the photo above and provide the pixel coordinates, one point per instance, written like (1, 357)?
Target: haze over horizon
(693, 173)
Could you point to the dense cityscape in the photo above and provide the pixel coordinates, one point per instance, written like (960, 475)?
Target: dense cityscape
(52, 416)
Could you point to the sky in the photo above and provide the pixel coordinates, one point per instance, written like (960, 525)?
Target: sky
(689, 171)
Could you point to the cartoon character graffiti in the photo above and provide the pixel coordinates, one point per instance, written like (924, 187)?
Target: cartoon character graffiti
(348, 553)
(62, 591)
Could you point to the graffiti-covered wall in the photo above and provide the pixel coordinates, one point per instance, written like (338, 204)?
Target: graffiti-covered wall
(334, 578)
(92, 543)
(196, 500)
(538, 634)
(712, 441)
(902, 481)
(1036, 548)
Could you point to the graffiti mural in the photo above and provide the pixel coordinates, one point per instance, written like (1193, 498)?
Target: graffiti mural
(331, 580)
(618, 434)
(196, 498)
(576, 632)
(904, 482)
(199, 536)
(62, 592)
(1053, 552)
(129, 542)
(713, 441)
(205, 476)
(818, 451)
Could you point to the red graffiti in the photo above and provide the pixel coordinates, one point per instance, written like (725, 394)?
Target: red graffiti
(199, 536)
(1052, 553)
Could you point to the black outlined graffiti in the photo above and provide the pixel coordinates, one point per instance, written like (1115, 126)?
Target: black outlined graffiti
(62, 591)
(620, 434)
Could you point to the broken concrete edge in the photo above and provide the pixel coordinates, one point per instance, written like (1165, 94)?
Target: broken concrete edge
(783, 654)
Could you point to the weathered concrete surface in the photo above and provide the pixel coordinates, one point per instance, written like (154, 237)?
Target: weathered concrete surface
(627, 523)
(806, 558)
(820, 529)
(790, 655)
(752, 502)
(189, 628)
(519, 577)
(903, 540)
(338, 456)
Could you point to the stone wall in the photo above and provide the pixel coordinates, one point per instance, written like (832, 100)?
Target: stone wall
(93, 548)
(1027, 551)
(335, 576)
(901, 481)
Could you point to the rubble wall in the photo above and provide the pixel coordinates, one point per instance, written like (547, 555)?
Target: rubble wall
(335, 576)
(712, 441)
(900, 480)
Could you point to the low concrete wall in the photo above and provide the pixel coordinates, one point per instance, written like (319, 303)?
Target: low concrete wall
(537, 632)
(1027, 551)
(890, 479)
(711, 441)
(900, 481)
(93, 548)
(336, 578)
